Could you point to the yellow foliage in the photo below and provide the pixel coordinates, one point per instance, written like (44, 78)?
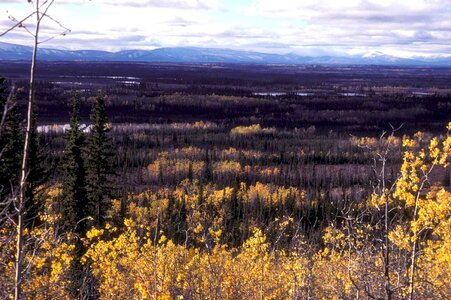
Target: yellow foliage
(138, 261)
(126, 270)
(251, 130)
(227, 167)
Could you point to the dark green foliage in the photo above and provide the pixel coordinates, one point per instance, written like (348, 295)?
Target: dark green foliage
(99, 164)
(11, 142)
(208, 168)
(38, 174)
(11, 147)
(74, 202)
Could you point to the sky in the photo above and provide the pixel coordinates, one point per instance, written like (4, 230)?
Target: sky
(403, 28)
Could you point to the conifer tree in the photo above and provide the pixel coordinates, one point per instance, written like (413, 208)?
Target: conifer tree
(99, 165)
(74, 195)
(37, 175)
(11, 144)
(11, 139)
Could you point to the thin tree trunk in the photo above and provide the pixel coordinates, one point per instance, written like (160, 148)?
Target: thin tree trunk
(386, 231)
(24, 170)
(388, 291)
(413, 256)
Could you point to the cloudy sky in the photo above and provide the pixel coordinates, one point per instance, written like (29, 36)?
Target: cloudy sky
(403, 28)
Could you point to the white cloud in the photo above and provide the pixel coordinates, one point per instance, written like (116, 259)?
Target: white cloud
(407, 27)
(362, 24)
(181, 4)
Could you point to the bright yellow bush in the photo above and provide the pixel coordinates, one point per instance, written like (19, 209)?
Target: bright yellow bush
(250, 130)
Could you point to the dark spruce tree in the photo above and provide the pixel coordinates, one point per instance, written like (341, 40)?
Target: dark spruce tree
(11, 143)
(38, 175)
(99, 164)
(74, 199)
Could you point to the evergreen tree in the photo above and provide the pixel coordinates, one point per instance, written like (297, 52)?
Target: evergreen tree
(38, 174)
(11, 145)
(11, 142)
(73, 205)
(99, 164)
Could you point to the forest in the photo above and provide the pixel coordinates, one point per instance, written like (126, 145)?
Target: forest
(165, 181)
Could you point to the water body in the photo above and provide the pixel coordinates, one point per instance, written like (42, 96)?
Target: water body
(423, 94)
(275, 94)
(352, 94)
(271, 94)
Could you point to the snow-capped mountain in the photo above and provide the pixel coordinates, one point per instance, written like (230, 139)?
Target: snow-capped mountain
(208, 55)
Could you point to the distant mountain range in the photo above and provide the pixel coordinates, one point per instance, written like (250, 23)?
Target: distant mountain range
(210, 55)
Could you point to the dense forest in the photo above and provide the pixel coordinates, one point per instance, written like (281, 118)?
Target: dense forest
(228, 182)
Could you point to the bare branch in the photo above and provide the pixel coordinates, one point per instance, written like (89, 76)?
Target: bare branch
(18, 23)
(47, 8)
(55, 36)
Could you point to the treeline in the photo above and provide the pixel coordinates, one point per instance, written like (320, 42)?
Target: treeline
(340, 106)
(366, 114)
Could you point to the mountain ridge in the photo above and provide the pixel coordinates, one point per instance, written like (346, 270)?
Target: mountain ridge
(208, 55)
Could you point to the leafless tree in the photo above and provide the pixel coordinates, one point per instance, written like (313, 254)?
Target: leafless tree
(39, 13)
(383, 190)
(382, 151)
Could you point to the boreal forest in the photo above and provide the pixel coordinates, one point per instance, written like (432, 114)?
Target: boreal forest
(164, 181)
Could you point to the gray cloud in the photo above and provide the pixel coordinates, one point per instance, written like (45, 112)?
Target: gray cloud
(420, 27)
(364, 23)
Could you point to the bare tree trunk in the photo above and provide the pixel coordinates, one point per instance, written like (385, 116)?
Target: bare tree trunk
(386, 231)
(24, 171)
(382, 191)
(388, 291)
(413, 256)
